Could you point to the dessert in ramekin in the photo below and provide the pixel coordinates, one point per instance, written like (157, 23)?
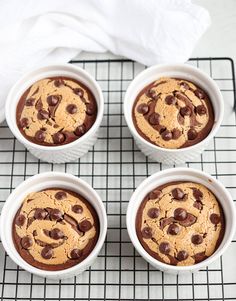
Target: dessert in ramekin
(172, 111)
(55, 111)
(181, 220)
(53, 225)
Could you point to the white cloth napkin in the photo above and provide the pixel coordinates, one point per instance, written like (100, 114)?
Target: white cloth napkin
(33, 33)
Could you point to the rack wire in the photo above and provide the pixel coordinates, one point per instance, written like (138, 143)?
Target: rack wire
(114, 167)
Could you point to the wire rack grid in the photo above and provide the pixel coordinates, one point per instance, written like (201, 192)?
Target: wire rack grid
(114, 167)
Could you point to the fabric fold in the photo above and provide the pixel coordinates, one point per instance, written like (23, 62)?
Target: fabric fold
(148, 31)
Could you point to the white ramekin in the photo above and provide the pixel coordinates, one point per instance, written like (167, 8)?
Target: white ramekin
(181, 174)
(183, 71)
(37, 183)
(62, 153)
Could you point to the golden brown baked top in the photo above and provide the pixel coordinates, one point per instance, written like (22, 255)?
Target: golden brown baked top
(55, 227)
(180, 223)
(173, 113)
(55, 111)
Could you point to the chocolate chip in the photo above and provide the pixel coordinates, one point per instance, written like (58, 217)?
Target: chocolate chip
(184, 85)
(59, 82)
(182, 255)
(160, 128)
(58, 138)
(199, 93)
(201, 110)
(40, 213)
(164, 248)
(192, 134)
(189, 221)
(166, 135)
(40, 136)
(80, 130)
(153, 212)
(146, 232)
(165, 222)
(20, 220)
(198, 205)
(198, 195)
(176, 133)
(78, 92)
(215, 218)
(76, 253)
(186, 111)
(43, 114)
(154, 119)
(77, 209)
(143, 108)
(47, 252)
(180, 214)
(60, 195)
(155, 194)
(56, 233)
(55, 214)
(85, 226)
(173, 229)
(24, 122)
(178, 194)
(170, 100)
(90, 109)
(71, 108)
(197, 239)
(199, 257)
(26, 242)
(29, 102)
(152, 94)
(53, 100)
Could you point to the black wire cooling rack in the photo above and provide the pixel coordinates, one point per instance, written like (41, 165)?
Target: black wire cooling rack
(114, 167)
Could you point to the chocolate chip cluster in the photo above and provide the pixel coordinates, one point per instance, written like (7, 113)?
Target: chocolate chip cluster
(180, 223)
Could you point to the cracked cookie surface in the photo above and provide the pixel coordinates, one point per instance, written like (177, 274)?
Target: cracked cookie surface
(56, 111)
(173, 113)
(55, 229)
(180, 223)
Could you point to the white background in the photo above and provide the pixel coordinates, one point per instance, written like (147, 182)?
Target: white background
(220, 38)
